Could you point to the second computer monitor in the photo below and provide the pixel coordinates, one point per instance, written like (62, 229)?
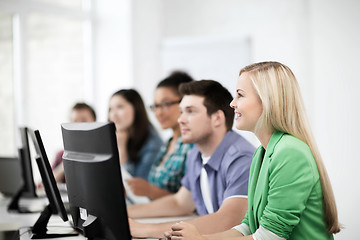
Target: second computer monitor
(56, 205)
(93, 180)
(29, 189)
(10, 176)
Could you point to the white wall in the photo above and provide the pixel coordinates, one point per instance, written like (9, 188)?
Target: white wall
(112, 51)
(146, 32)
(336, 105)
(277, 29)
(319, 40)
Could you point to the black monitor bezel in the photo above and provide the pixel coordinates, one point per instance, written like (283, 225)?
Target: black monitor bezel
(51, 189)
(29, 188)
(56, 205)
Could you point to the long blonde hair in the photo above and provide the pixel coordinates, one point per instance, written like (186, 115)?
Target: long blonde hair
(283, 110)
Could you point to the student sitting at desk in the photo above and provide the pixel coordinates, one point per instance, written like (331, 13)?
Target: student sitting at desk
(80, 112)
(290, 195)
(217, 168)
(169, 166)
(138, 142)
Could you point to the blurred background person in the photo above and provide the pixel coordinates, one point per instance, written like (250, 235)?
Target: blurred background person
(138, 142)
(80, 112)
(169, 166)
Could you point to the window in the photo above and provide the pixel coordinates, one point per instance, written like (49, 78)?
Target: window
(7, 141)
(55, 73)
(45, 57)
(76, 4)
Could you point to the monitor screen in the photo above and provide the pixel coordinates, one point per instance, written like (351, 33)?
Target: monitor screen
(56, 205)
(93, 180)
(10, 175)
(29, 189)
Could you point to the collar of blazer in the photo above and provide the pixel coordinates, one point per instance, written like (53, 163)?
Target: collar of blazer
(258, 188)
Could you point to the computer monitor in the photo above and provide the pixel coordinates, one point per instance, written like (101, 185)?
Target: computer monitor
(56, 205)
(93, 180)
(28, 189)
(10, 175)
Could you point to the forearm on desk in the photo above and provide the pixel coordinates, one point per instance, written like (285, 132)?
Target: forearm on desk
(153, 229)
(228, 235)
(230, 214)
(230, 238)
(212, 223)
(205, 224)
(158, 192)
(178, 204)
(163, 207)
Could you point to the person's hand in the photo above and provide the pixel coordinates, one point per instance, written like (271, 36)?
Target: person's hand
(184, 231)
(136, 229)
(139, 186)
(167, 235)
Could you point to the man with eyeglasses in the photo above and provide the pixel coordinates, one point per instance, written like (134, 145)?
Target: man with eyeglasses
(217, 168)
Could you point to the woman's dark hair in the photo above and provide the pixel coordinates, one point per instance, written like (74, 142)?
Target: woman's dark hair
(174, 80)
(216, 97)
(139, 130)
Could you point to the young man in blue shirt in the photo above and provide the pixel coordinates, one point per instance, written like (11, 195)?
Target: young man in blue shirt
(217, 169)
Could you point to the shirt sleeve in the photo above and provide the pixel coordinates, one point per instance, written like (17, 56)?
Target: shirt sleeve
(237, 177)
(292, 176)
(246, 218)
(243, 228)
(58, 159)
(190, 159)
(264, 234)
(185, 180)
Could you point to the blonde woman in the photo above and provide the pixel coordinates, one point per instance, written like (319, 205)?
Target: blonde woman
(290, 195)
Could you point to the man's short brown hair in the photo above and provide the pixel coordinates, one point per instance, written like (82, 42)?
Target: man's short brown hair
(216, 97)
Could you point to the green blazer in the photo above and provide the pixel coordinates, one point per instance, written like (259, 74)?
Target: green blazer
(285, 194)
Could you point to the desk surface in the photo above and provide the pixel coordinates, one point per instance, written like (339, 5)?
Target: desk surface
(15, 221)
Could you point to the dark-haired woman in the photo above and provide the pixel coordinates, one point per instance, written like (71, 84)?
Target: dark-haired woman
(138, 142)
(169, 166)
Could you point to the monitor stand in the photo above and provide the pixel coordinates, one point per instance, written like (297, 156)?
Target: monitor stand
(39, 229)
(9, 234)
(14, 205)
(91, 227)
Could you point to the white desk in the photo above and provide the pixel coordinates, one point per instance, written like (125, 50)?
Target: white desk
(15, 221)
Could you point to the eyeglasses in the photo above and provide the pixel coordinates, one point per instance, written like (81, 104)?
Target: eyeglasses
(164, 105)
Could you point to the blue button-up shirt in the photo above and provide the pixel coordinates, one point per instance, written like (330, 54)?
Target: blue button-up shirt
(227, 170)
